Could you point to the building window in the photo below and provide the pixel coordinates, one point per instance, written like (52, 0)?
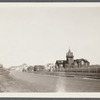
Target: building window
(75, 63)
(86, 64)
(82, 62)
(61, 65)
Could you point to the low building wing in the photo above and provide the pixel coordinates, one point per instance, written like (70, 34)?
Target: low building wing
(81, 62)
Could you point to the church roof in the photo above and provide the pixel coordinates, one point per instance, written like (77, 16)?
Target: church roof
(69, 53)
(79, 60)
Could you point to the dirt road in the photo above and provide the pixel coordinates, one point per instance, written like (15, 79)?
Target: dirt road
(46, 83)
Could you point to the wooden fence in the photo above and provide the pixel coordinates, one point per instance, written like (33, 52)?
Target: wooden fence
(84, 69)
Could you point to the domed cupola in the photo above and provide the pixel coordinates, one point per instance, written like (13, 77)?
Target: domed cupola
(69, 57)
(69, 54)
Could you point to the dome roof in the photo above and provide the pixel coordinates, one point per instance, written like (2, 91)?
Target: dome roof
(69, 54)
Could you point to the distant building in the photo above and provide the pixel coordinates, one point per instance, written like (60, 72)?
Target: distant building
(39, 68)
(50, 67)
(30, 69)
(70, 62)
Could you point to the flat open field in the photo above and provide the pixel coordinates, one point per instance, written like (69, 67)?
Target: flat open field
(30, 82)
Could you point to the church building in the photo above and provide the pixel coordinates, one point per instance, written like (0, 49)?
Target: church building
(71, 62)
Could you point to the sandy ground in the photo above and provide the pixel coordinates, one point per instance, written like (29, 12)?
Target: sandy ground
(10, 84)
(47, 83)
(30, 82)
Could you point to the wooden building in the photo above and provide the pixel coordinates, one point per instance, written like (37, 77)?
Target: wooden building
(70, 62)
(39, 68)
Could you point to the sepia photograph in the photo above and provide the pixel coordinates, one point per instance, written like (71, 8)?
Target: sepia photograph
(49, 48)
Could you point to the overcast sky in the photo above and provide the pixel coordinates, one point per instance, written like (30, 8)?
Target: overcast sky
(41, 35)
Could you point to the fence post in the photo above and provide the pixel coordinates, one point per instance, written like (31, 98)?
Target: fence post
(76, 69)
(88, 69)
(82, 69)
(96, 69)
